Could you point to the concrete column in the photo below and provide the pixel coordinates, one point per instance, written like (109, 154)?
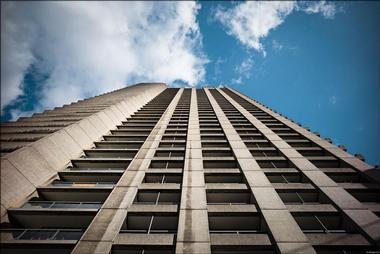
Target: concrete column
(285, 231)
(352, 208)
(106, 225)
(193, 230)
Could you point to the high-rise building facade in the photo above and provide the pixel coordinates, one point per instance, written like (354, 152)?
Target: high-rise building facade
(155, 170)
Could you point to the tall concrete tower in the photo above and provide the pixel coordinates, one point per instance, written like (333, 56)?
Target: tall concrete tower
(155, 170)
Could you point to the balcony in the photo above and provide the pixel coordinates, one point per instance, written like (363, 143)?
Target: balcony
(289, 181)
(91, 175)
(81, 192)
(58, 183)
(110, 153)
(162, 178)
(330, 229)
(119, 144)
(234, 224)
(220, 152)
(30, 234)
(119, 163)
(236, 208)
(146, 229)
(219, 162)
(226, 186)
(126, 137)
(240, 242)
(224, 178)
(32, 205)
(160, 186)
(157, 197)
(136, 243)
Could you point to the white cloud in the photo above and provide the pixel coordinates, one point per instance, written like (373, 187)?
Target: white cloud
(87, 48)
(244, 69)
(251, 21)
(328, 10)
(217, 71)
(238, 81)
(16, 113)
(16, 55)
(276, 45)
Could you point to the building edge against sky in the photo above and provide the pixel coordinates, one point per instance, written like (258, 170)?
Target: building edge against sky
(207, 171)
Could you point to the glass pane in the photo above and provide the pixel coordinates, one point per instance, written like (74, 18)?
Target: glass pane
(65, 205)
(68, 235)
(41, 204)
(90, 205)
(38, 235)
(10, 234)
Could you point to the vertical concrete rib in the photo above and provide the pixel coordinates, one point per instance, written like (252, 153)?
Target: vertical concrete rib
(105, 227)
(285, 231)
(352, 208)
(193, 230)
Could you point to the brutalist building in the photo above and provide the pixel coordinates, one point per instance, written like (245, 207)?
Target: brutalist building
(150, 169)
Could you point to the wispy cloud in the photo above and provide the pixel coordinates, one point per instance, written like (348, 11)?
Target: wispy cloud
(238, 81)
(251, 21)
(333, 99)
(217, 69)
(328, 10)
(276, 45)
(87, 48)
(244, 68)
(243, 71)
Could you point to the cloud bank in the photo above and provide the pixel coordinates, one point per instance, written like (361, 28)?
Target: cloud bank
(87, 48)
(251, 21)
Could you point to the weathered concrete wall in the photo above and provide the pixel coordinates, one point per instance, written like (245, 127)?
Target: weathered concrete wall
(24, 131)
(36, 164)
(105, 227)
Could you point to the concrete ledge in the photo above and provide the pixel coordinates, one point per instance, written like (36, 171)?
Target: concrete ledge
(295, 248)
(311, 208)
(68, 144)
(144, 239)
(241, 239)
(194, 247)
(14, 186)
(215, 209)
(153, 208)
(341, 239)
(31, 164)
(54, 154)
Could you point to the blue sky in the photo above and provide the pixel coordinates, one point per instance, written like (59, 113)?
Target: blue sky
(316, 62)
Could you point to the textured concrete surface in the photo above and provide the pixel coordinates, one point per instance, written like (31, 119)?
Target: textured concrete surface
(39, 161)
(104, 229)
